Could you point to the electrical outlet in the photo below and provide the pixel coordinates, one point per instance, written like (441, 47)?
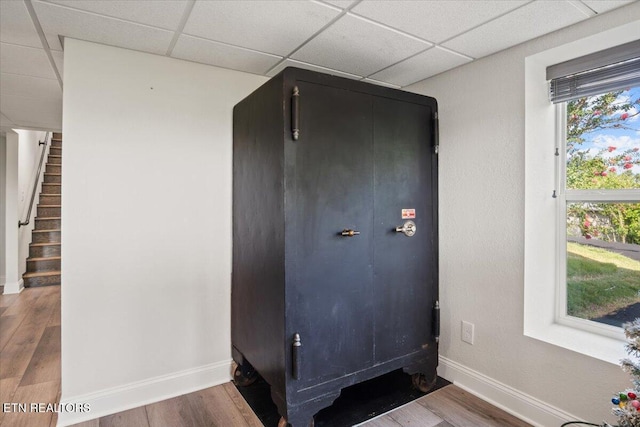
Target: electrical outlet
(467, 332)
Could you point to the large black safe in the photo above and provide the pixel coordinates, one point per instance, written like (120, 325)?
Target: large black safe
(335, 238)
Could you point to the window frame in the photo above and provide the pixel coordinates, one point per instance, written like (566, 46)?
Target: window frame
(564, 197)
(541, 219)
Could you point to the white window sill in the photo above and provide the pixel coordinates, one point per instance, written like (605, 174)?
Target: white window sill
(591, 344)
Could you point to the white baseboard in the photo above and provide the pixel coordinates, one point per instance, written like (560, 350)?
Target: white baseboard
(515, 402)
(133, 395)
(13, 288)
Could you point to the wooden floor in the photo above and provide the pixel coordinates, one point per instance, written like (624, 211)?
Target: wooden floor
(30, 372)
(30, 353)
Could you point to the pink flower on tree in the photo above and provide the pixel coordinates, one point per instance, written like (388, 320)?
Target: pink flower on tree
(624, 116)
(611, 148)
(597, 113)
(604, 173)
(612, 169)
(627, 158)
(628, 166)
(636, 149)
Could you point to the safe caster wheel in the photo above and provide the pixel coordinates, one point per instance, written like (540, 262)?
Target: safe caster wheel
(244, 375)
(283, 422)
(423, 383)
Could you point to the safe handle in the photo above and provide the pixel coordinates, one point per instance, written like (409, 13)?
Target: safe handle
(349, 233)
(408, 228)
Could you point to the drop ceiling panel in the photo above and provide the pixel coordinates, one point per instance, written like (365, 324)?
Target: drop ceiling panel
(26, 86)
(157, 13)
(276, 27)
(434, 21)
(525, 23)
(59, 20)
(341, 3)
(291, 63)
(16, 26)
(221, 55)
(358, 46)
(601, 6)
(28, 61)
(32, 112)
(421, 66)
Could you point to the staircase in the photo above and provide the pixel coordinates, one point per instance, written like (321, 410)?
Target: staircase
(43, 264)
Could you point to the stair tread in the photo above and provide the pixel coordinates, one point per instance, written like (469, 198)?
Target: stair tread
(51, 173)
(45, 258)
(51, 183)
(49, 206)
(50, 194)
(47, 218)
(55, 155)
(46, 231)
(41, 274)
(46, 244)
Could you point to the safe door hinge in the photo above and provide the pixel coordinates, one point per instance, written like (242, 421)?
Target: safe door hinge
(295, 113)
(436, 133)
(436, 321)
(295, 356)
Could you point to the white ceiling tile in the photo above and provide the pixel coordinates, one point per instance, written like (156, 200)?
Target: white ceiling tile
(58, 58)
(358, 46)
(276, 27)
(16, 26)
(434, 21)
(59, 20)
(221, 55)
(26, 86)
(32, 112)
(379, 83)
(421, 66)
(528, 22)
(158, 13)
(28, 61)
(343, 4)
(601, 6)
(4, 121)
(291, 63)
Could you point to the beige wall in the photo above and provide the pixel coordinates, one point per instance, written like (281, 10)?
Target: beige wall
(482, 171)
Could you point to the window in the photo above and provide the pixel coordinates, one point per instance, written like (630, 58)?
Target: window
(599, 210)
(550, 221)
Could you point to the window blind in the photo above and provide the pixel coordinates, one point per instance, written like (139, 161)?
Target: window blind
(599, 72)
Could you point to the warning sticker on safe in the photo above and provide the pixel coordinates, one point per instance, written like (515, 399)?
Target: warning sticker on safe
(408, 213)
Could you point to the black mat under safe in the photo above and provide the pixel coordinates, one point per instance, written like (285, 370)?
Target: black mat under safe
(355, 405)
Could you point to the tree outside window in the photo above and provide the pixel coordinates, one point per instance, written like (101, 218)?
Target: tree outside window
(603, 236)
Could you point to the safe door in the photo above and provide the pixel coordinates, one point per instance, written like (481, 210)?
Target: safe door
(333, 233)
(405, 244)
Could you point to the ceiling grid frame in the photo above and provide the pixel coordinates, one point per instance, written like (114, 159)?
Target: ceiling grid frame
(408, 64)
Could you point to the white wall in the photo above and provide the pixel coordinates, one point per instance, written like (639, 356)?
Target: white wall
(482, 163)
(146, 220)
(28, 160)
(21, 157)
(3, 213)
